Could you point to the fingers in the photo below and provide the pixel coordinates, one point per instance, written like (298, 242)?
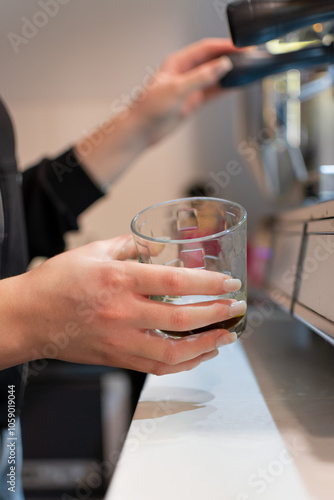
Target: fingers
(205, 75)
(164, 280)
(161, 368)
(182, 318)
(154, 367)
(201, 65)
(174, 352)
(200, 52)
(164, 368)
(154, 354)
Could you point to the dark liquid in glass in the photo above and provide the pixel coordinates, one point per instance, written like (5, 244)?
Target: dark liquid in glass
(228, 324)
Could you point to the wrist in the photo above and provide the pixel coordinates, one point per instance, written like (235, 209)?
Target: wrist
(19, 339)
(110, 148)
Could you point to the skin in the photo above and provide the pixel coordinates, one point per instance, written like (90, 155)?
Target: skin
(91, 304)
(185, 81)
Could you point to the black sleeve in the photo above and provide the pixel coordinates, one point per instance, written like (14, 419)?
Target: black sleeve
(55, 192)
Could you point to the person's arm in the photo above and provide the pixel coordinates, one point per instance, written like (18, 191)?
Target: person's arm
(185, 81)
(85, 306)
(57, 190)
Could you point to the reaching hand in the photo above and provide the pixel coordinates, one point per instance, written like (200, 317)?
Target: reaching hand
(186, 80)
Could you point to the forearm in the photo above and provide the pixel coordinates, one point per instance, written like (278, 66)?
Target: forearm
(109, 149)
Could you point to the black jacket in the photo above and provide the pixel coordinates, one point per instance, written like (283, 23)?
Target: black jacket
(36, 209)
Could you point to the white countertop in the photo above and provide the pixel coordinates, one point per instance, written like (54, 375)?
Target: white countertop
(220, 433)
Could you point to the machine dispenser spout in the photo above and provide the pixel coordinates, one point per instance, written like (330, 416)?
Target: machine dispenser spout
(257, 64)
(253, 22)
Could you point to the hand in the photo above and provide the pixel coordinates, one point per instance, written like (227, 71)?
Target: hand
(186, 80)
(84, 306)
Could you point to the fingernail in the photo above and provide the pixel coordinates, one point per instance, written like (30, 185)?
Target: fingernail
(210, 355)
(226, 338)
(232, 285)
(224, 65)
(238, 308)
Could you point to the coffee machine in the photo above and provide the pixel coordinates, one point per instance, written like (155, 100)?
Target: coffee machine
(286, 136)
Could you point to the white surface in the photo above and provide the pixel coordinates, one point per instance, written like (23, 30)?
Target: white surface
(207, 434)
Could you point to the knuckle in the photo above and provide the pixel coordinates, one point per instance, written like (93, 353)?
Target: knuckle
(219, 311)
(170, 355)
(160, 369)
(135, 280)
(217, 285)
(122, 311)
(115, 278)
(173, 86)
(117, 314)
(174, 281)
(180, 319)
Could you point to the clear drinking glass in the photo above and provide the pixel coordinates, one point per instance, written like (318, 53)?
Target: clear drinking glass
(198, 233)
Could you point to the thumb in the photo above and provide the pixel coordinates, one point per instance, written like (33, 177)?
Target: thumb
(122, 247)
(205, 75)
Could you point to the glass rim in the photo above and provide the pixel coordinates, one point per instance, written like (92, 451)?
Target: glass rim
(194, 240)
